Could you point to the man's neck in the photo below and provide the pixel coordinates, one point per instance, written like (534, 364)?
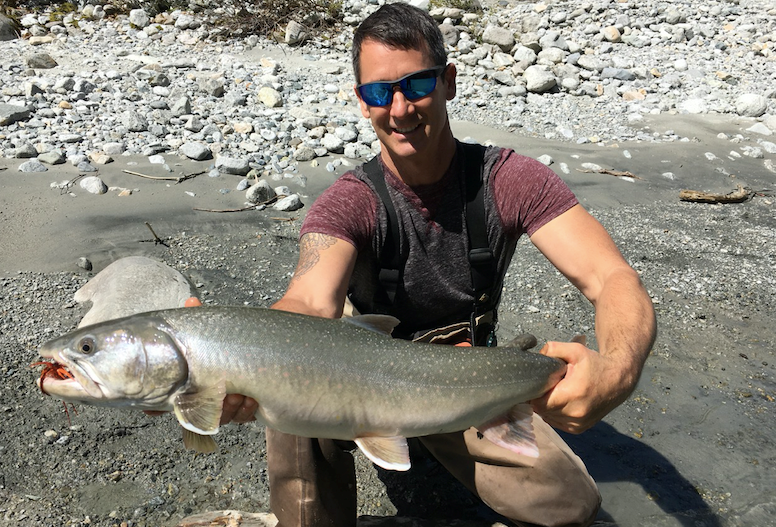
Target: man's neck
(425, 170)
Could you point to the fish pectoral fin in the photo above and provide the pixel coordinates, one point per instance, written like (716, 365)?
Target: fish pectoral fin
(200, 411)
(198, 442)
(390, 453)
(513, 431)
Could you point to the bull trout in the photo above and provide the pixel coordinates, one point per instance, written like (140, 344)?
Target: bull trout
(313, 377)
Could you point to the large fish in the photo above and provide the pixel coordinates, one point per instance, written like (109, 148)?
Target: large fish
(313, 377)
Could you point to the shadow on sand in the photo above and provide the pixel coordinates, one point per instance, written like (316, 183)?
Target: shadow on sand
(429, 491)
(613, 457)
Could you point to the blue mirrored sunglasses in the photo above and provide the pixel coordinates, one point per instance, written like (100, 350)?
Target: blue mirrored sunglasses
(413, 87)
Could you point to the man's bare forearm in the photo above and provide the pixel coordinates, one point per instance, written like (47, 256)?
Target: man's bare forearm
(625, 325)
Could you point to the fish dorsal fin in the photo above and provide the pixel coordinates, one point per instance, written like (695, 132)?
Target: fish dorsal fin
(524, 342)
(390, 453)
(580, 339)
(377, 323)
(198, 442)
(513, 431)
(200, 411)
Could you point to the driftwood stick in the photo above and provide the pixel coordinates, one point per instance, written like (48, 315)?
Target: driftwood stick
(157, 239)
(739, 195)
(616, 173)
(143, 175)
(189, 176)
(177, 179)
(70, 184)
(250, 207)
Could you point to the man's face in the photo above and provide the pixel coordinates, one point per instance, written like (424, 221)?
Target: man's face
(406, 129)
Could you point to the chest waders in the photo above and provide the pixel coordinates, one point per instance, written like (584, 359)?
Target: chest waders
(482, 262)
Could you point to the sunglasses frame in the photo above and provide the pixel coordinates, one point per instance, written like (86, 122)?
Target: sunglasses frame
(402, 85)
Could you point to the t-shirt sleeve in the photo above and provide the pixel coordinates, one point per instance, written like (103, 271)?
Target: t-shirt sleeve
(528, 194)
(346, 210)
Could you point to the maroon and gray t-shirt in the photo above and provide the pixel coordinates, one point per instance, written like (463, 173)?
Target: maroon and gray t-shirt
(521, 195)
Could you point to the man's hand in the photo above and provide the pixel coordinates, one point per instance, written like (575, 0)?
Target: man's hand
(594, 385)
(237, 408)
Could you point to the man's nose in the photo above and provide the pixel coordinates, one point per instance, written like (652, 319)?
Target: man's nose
(399, 104)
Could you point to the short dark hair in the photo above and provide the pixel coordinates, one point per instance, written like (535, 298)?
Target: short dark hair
(400, 26)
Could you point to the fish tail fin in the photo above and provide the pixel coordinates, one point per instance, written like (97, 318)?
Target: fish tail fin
(198, 442)
(513, 431)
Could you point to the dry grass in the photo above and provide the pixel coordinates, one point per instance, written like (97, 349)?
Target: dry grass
(268, 17)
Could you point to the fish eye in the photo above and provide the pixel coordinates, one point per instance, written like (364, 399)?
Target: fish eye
(86, 345)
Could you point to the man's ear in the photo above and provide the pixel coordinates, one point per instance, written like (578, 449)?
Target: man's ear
(361, 104)
(449, 77)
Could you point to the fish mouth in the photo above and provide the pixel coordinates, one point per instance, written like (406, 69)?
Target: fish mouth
(65, 380)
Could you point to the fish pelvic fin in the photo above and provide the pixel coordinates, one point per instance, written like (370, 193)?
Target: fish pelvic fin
(390, 453)
(200, 411)
(377, 323)
(513, 431)
(198, 442)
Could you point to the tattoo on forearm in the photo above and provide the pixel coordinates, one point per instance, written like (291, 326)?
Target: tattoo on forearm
(310, 247)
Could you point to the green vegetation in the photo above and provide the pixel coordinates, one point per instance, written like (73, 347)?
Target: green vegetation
(242, 17)
(466, 5)
(62, 9)
(267, 17)
(152, 7)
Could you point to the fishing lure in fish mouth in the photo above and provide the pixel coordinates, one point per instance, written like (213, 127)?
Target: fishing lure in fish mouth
(54, 370)
(51, 370)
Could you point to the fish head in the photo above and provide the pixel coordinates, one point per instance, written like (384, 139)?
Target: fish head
(134, 362)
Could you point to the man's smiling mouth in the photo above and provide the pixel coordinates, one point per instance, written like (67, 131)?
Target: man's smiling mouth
(406, 130)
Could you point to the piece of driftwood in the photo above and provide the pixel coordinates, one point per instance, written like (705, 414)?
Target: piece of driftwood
(177, 179)
(157, 239)
(739, 195)
(610, 172)
(229, 518)
(242, 209)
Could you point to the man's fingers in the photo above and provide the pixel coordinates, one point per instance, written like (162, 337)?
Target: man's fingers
(238, 408)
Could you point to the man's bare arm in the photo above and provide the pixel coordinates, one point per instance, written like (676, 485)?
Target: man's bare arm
(320, 282)
(596, 382)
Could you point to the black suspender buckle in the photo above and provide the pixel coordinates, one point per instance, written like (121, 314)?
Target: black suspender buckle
(480, 256)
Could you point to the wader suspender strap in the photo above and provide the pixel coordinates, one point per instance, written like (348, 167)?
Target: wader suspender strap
(481, 259)
(390, 257)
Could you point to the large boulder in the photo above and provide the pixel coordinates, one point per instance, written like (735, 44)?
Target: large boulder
(134, 284)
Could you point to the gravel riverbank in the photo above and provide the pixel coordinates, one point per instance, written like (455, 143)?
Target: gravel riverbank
(694, 444)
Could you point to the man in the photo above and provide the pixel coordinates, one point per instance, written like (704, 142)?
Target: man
(403, 85)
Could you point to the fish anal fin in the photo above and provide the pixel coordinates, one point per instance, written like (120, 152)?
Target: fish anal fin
(513, 431)
(390, 453)
(200, 410)
(377, 323)
(198, 442)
